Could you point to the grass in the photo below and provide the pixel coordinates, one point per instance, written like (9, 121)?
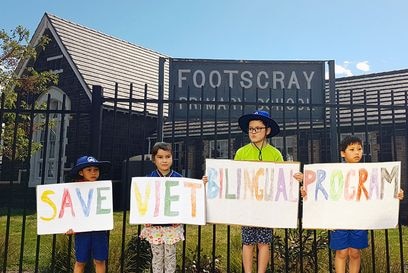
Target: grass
(208, 245)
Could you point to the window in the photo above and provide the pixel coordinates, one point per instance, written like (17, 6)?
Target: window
(51, 140)
(178, 154)
(289, 153)
(219, 149)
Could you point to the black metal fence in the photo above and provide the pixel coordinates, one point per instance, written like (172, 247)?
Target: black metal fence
(40, 143)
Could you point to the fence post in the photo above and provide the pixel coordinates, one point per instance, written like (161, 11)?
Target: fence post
(96, 120)
(334, 153)
(161, 97)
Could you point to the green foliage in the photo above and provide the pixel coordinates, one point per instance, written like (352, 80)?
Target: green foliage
(62, 254)
(137, 255)
(380, 254)
(2, 250)
(116, 237)
(15, 50)
(309, 247)
(206, 263)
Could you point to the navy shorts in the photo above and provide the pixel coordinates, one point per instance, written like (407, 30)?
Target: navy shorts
(91, 245)
(342, 239)
(256, 235)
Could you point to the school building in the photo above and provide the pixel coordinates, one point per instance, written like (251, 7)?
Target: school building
(113, 100)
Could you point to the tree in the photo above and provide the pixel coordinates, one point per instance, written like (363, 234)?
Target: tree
(15, 50)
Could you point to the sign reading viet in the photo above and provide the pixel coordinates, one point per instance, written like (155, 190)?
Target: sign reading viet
(262, 194)
(80, 206)
(167, 200)
(351, 196)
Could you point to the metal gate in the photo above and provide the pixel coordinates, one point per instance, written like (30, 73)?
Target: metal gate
(122, 130)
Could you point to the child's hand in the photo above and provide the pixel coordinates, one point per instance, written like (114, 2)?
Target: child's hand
(175, 225)
(400, 195)
(148, 225)
(70, 232)
(205, 179)
(303, 193)
(298, 176)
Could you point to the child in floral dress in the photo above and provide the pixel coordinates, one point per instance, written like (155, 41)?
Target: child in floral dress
(163, 237)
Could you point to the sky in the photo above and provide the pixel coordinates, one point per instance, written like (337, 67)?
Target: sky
(361, 36)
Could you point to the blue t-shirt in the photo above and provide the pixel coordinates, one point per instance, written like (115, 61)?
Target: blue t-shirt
(157, 173)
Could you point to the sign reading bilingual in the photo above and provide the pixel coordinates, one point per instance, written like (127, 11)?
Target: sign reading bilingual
(167, 200)
(222, 86)
(80, 206)
(262, 194)
(351, 196)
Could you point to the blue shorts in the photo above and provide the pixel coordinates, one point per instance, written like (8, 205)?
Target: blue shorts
(91, 245)
(342, 239)
(256, 235)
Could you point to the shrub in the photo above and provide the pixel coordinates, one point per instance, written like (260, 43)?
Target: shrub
(310, 250)
(64, 258)
(137, 255)
(205, 266)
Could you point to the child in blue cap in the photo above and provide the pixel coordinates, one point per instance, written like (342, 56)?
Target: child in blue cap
(93, 244)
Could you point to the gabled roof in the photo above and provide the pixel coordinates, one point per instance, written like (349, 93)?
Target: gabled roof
(100, 59)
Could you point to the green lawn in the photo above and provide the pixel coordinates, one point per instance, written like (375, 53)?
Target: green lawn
(192, 234)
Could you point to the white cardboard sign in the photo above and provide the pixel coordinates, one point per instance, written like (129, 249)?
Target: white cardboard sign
(80, 206)
(167, 200)
(351, 196)
(252, 193)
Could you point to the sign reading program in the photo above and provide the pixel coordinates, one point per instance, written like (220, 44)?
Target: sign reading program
(351, 196)
(223, 85)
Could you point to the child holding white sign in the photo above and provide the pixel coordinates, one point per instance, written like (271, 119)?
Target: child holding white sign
(95, 243)
(348, 243)
(163, 237)
(260, 126)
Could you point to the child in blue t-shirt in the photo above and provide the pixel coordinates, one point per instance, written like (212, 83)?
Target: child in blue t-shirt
(93, 244)
(348, 243)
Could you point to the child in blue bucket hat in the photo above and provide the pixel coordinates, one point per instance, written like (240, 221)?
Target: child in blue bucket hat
(93, 244)
(259, 126)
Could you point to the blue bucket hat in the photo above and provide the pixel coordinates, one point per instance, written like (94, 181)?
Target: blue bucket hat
(87, 161)
(244, 120)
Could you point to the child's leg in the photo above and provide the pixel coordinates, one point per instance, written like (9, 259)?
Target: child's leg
(263, 257)
(355, 260)
(100, 266)
(170, 260)
(158, 258)
(340, 260)
(79, 267)
(247, 254)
